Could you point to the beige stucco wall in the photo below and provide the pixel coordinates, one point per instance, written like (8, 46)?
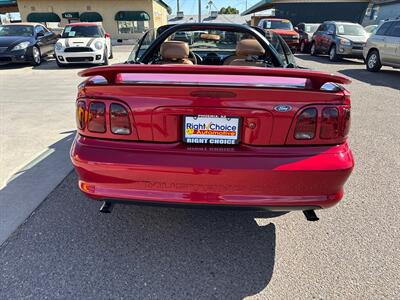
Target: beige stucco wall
(107, 9)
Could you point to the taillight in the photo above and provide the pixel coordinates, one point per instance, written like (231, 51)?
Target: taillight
(306, 124)
(97, 117)
(80, 114)
(346, 122)
(329, 123)
(119, 120)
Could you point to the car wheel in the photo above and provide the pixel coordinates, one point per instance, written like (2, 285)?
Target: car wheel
(105, 63)
(60, 65)
(36, 56)
(313, 49)
(373, 61)
(302, 47)
(332, 54)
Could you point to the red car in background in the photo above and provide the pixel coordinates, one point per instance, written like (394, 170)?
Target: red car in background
(284, 28)
(175, 129)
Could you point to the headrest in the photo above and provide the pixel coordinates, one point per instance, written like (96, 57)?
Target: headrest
(249, 47)
(210, 37)
(174, 50)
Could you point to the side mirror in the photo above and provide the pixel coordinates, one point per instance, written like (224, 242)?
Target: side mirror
(107, 35)
(40, 34)
(296, 29)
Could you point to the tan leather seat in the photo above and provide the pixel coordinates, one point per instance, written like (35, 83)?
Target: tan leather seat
(175, 52)
(247, 52)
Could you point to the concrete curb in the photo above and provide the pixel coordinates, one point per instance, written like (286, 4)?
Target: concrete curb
(32, 184)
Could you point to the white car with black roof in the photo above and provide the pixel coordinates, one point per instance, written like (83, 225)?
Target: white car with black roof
(83, 43)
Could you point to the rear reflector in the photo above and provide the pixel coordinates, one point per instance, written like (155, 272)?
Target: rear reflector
(329, 123)
(97, 117)
(80, 114)
(306, 124)
(120, 123)
(346, 122)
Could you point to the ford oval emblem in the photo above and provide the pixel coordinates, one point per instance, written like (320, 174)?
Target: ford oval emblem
(283, 108)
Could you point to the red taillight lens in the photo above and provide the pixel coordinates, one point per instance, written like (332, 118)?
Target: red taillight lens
(346, 122)
(119, 119)
(329, 123)
(80, 114)
(306, 124)
(97, 117)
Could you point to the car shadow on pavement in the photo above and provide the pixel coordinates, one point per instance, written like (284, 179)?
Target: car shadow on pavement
(385, 78)
(52, 65)
(325, 60)
(67, 248)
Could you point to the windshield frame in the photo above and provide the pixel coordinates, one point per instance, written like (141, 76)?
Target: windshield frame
(163, 36)
(16, 26)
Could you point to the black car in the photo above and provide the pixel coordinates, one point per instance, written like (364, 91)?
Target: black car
(25, 43)
(306, 31)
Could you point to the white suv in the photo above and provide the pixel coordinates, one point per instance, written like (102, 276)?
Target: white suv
(83, 43)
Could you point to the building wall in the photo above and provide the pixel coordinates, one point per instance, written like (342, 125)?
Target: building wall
(380, 11)
(318, 12)
(160, 15)
(107, 9)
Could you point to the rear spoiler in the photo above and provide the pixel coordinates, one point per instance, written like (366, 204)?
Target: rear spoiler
(197, 75)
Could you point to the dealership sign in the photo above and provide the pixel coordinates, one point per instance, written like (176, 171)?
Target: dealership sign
(70, 15)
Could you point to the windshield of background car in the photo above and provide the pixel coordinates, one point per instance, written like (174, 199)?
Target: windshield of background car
(278, 24)
(350, 29)
(310, 28)
(16, 30)
(81, 31)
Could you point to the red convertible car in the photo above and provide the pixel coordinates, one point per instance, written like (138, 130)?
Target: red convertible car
(223, 121)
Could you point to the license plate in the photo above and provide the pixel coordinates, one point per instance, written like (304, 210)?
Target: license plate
(216, 130)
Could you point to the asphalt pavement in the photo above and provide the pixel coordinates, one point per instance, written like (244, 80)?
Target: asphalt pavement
(67, 250)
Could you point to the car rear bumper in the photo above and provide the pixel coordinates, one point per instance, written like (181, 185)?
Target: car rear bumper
(286, 178)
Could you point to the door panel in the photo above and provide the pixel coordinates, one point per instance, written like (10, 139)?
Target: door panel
(392, 41)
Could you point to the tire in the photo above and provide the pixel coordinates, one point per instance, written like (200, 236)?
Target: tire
(373, 61)
(302, 47)
(333, 56)
(313, 49)
(36, 56)
(60, 65)
(105, 63)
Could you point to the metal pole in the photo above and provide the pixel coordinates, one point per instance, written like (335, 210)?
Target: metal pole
(177, 6)
(199, 11)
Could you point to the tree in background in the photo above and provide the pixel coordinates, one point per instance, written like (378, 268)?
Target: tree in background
(228, 11)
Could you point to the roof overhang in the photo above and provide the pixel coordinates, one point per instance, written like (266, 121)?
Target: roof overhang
(7, 6)
(262, 5)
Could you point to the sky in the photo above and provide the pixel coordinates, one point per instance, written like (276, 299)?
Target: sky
(189, 7)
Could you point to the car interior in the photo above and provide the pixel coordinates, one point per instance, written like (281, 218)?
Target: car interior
(208, 47)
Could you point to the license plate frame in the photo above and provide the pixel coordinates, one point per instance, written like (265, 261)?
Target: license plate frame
(206, 136)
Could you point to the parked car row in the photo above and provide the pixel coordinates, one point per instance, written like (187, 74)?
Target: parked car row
(377, 45)
(78, 43)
